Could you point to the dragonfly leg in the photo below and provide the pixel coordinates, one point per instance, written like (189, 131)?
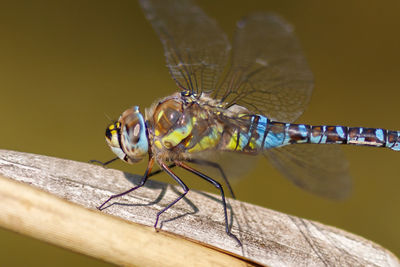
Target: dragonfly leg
(161, 170)
(142, 182)
(103, 163)
(216, 166)
(180, 182)
(217, 185)
(114, 159)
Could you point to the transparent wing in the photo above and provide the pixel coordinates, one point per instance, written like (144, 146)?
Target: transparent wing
(196, 49)
(268, 73)
(317, 168)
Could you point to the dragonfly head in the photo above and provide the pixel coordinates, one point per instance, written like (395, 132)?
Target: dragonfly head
(127, 137)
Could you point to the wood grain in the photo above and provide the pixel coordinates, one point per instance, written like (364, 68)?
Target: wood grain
(192, 230)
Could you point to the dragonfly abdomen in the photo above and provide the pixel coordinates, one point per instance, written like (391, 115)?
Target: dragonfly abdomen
(265, 134)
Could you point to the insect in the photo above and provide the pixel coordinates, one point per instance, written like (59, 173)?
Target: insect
(242, 98)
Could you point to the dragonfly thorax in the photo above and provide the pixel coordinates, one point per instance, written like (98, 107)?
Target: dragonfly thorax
(127, 137)
(181, 124)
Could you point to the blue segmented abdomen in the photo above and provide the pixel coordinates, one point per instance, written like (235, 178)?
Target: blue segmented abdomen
(265, 134)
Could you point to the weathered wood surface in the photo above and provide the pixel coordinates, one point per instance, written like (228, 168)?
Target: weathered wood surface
(269, 237)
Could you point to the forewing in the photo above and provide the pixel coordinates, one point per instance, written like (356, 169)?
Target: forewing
(268, 73)
(318, 168)
(196, 49)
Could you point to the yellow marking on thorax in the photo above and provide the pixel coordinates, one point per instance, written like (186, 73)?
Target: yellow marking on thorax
(239, 146)
(233, 145)
(176, 136)
(252, 145)
(160, 114)
(209, 141)
(157, 143)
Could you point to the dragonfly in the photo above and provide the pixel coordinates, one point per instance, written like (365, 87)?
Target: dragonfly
(242, 97)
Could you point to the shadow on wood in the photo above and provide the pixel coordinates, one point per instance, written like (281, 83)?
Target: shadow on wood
(193, 230)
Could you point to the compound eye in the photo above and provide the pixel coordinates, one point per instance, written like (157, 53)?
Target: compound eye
(134, 133)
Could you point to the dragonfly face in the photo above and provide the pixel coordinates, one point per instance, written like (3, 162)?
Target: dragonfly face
(127, 137)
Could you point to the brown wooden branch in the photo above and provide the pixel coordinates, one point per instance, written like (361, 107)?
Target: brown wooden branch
(192, 230)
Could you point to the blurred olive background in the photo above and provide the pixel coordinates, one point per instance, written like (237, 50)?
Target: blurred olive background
(67, 67)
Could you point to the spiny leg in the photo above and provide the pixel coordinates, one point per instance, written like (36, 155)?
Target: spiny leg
(180, 182)
(217, 185)
(142, 182)
(217, 166)
(114, 159)
(103, 163)
(161, 170)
